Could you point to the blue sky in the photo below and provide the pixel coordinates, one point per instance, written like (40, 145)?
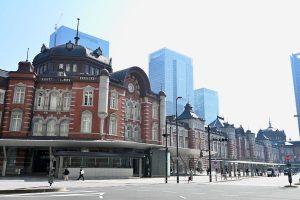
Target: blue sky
(239, 48)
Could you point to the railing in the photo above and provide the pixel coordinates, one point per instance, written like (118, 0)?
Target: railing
(55, 79)
(134, 139)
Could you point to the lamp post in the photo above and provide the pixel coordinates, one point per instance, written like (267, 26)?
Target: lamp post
(177, 138)
(209, 155)
(166, 136)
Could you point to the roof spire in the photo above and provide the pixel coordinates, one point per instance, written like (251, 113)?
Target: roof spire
(27, 55)
(77, 38)
(270, 126)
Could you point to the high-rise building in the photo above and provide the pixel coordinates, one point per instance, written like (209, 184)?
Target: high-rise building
(64, 34)
(295, 63)
(172, 72)
(206, 104)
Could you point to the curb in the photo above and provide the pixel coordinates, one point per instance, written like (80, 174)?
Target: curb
(31, 190)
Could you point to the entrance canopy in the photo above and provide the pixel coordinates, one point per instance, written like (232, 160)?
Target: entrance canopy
(76, 143)
(250, 162)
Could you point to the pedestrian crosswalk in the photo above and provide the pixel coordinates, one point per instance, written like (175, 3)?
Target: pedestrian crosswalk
(77, 193)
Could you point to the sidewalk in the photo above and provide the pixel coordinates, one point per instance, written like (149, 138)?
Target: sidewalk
(40, 184)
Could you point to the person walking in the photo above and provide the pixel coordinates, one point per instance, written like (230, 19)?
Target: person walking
(81, 172)
(66, 174)
(51, 176)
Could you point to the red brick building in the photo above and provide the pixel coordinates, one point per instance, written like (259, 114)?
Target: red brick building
(69, 109)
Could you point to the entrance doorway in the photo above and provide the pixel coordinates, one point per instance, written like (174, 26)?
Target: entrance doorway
(41, 161)
(135, 166)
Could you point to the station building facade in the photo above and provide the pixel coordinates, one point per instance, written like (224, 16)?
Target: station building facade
(70, 109)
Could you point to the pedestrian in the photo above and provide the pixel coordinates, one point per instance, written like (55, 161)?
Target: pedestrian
(66, 174)
(51, 176)
(81, 172)
(190, 176)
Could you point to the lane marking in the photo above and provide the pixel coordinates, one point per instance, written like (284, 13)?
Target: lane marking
(182, 197)
(101, 195)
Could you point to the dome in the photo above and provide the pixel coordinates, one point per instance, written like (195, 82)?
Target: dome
(70, 50)
(87, 61)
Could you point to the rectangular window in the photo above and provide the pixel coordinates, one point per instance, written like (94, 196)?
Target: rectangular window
(2, 94)
(0, 118)
(61, 66)
(66, 101)
(68, 67)
(74, 68)
(19, 95)
(16, 120)
(114, 100)
(88, 98)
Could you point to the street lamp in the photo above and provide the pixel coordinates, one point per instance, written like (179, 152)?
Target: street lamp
(166, 136)
(177, 138)
(209, 155)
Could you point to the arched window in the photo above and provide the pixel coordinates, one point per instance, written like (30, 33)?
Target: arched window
(113, 125)
(40, 100)
(53, 101)
(137, 111)
(16, 120)
(64, 128)
(86, 122)
(129, 108)
(37, 129)
(114, 100)
(154, 132)
(155, 111)
(66, 101)
(51, 127)
(136, 133)
(129, 132)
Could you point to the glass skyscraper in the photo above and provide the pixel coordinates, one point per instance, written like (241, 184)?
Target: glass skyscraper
(295, 63)
(206, 104)
(64, 34)
(172, 72)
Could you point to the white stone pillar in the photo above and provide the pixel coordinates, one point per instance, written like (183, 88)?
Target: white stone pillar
(4, 161)
(103, 98)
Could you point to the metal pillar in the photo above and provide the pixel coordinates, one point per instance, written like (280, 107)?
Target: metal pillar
(4, 161)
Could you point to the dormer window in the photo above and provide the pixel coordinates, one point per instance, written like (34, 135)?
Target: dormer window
(97, 52)
(69, 45)
(43, 48)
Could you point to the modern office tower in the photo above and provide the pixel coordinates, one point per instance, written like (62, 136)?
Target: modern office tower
(295, 63)
(172, 72)
(64, 34)
(206, 104)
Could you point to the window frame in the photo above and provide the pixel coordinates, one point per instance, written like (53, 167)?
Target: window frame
(53, 125)
(86, 122)
(88, 96)
(114, 100)
(16, 120)
(19, 94)
(2, 96)
(113, 125)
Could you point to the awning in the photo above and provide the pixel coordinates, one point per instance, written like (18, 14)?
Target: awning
(76, 143)
(97, 154)
(249, 162)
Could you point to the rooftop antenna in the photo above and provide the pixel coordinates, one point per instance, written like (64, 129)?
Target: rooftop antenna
(27, 55)
(77, 38)
(55, 28)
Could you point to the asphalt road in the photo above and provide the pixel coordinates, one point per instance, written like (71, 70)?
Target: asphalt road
(169, 192)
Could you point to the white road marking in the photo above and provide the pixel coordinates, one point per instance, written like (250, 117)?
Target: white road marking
(231, 195)
(101, 195)
(182, 197)
(169, 191)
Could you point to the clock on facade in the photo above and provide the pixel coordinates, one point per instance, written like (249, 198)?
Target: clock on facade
(130, 87)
